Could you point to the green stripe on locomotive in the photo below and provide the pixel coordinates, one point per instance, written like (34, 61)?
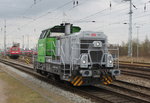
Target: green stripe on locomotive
(47, 43)
(41, 50)
(50, 46)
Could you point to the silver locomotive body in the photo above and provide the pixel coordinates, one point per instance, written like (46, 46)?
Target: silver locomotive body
(86, 59)
(81, 58)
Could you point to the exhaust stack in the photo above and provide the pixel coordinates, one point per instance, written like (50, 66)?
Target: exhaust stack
(67, 28)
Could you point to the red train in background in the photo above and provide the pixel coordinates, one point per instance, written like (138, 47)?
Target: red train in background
(14, 52)
(27, 52)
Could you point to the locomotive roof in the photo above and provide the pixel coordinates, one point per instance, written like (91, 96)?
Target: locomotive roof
(61, 29)
(90, 34)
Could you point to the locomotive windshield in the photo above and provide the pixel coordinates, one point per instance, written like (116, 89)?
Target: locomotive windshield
(15, 49)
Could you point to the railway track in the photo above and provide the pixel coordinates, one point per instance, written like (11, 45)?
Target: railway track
(136, 74)
(110, 96)
(132, 85)
(130, 90)
(134, 64)
(135, 69)
(97, 94)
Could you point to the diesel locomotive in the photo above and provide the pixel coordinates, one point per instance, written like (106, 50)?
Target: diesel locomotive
(13, 52)
(79, 57)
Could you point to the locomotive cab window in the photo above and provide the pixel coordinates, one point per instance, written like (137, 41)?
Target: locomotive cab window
(59, 29)
(48, 34)
(15, 49)
(43, 34)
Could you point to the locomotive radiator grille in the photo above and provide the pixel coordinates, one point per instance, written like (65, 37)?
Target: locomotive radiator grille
(95, 55)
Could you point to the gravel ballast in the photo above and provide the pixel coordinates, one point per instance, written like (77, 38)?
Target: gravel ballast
(50, 88)
(135, 80)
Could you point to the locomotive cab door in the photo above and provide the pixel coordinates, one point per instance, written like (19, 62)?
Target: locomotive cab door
(42, 47)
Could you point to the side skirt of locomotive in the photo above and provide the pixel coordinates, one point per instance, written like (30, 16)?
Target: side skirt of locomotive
(55, 72)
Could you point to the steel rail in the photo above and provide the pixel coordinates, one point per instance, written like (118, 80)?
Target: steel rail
(132, 92)
(135, 68)
(132, 84)
(134, 62)
(135, 74)
(133, 65)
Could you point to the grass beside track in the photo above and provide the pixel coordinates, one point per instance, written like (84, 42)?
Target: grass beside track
(16, 92)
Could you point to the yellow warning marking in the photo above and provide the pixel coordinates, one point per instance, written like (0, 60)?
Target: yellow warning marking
(74, 79)
(27, 61)
(80, 83)
(77, 81)
(105, 83)
(106, 79)
(110, 79)
(69, 80)
(108, 82)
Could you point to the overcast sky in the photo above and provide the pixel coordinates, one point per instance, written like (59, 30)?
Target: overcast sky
(23, 17)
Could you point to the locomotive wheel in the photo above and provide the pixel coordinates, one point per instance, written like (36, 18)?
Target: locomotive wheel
(44, 73)
(53, 77)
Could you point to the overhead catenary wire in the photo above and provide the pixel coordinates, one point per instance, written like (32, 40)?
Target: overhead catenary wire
(35, 2)
(56, 10)
(79, 4)
(137, 17)
(49, 12)
(91, 15)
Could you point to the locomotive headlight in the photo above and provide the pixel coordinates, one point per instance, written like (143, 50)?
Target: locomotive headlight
(110, 61)
(84, 61)
(97, 44)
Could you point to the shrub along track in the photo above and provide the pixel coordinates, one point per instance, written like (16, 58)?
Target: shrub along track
(98, 94)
